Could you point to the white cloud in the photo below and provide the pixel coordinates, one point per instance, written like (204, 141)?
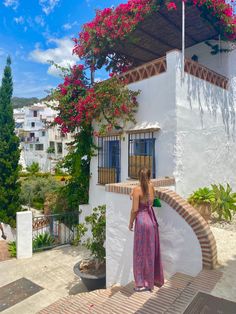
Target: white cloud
(68, 26)
(39, 20)
(2, 52)
(61, 55)
(11, 3)
(48, 5)
(19, 20)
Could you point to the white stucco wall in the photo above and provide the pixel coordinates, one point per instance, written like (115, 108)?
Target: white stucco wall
(177, 239)
(205, 144)
(156, 105)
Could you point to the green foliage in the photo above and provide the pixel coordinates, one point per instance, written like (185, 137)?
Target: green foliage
(9, 152)
(35, 189)
(19, 102)
(38, 174)
(33, 168)
(225, 201)
(202, 196)
(97, 222)
(12, 248)
(221, 199)
(59, 171)
(77, 163)
(81, 229)
(51, 150)
(42, 241)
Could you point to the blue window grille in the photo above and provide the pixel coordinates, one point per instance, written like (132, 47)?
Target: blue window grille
(141, 153)
(109, 159)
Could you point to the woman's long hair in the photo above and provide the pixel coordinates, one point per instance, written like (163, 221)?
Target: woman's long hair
(144, 178)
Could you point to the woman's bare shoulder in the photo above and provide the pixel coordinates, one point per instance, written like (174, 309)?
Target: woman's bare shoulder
(137, 190)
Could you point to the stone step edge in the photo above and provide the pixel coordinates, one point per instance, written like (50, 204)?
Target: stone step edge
(122, 301)
(83, 298)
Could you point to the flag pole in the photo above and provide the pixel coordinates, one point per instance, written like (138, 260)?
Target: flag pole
(183, 39)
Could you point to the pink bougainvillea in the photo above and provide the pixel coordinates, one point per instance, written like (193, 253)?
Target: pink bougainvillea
(110, 103)
(110, 25)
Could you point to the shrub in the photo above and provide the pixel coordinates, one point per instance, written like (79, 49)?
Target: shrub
(224, 204)
(97, 222)
(221, 200)
(35, 189)
(201, 196)
(42, 241)
(12, 248)
(33, 168)
(81, 229)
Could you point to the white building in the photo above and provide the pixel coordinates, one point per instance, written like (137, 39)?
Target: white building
(185, 131)
(39, 142)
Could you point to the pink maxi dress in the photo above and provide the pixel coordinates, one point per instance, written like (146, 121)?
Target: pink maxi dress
(147, 264)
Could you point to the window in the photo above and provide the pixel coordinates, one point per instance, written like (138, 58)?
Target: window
(43, 133)
(35, 113)
(109, 159)
(52, 144)
(59, 148)
(32, 124)
(31, 146)
(141, 152)
(38, 146)
(31, 135)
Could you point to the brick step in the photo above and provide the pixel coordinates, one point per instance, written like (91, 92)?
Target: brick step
(172, 298)
(205, 281)
(80, 303)
(134, 302)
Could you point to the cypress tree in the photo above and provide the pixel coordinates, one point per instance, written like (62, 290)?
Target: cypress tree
(9, 152)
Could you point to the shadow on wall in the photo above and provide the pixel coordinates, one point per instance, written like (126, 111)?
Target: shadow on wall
(213, 99)
(123, 271)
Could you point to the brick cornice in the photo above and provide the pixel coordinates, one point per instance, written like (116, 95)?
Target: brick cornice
(185, 210)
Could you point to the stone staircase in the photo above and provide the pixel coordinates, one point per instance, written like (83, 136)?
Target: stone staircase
(172, 298)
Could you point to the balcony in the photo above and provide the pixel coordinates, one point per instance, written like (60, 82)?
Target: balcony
(159, 66)
(31, 139)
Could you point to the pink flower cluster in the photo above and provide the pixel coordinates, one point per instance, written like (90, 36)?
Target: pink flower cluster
(112, 24)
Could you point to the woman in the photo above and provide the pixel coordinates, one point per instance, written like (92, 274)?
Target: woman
(146, 255)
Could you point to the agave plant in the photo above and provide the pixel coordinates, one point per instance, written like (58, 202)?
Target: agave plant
(225, 201)
(42, 241)
(202, 196)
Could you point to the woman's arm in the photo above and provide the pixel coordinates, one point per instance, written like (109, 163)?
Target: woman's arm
(134, 209)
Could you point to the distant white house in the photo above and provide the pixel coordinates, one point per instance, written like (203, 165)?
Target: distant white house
(39, 143)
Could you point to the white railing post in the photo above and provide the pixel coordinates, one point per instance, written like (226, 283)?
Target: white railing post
(24, 234)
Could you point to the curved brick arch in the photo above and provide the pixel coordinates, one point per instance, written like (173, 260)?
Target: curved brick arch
(185, 210)
(196, 222)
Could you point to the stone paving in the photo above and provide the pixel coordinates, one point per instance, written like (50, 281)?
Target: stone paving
(4, 254)
(226, 250)
(52, 270)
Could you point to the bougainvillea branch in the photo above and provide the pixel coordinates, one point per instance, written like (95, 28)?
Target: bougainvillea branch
(110, 103)
(112, 25)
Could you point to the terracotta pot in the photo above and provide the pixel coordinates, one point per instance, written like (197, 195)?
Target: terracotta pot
(204, 210)
(91, 282)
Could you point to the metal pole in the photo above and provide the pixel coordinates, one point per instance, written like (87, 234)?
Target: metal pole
(183, 38)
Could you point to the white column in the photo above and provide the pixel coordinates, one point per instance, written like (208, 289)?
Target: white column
(24, 234)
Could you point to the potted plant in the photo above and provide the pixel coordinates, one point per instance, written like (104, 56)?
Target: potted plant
(93, 271)
(224, 201)
(202, 199)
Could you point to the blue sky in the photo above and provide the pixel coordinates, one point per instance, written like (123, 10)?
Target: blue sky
(34, 31)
